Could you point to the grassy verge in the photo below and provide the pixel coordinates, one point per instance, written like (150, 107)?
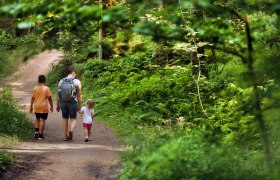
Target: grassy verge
(14, 126)
(8, 141)
(6, 158)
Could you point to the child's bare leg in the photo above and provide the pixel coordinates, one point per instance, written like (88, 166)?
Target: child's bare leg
(41, 126)
(36, 133)
(41, 129)
(37, 122)
(86, 132)
(89, 132)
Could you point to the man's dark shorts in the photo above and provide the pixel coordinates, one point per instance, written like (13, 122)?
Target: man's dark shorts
(41, 116)
(69, 110)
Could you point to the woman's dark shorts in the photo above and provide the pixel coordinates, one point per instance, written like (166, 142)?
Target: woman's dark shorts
(69, 110)
(41, 116)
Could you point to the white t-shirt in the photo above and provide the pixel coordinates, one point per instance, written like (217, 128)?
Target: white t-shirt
(76, 82)
(87, 115)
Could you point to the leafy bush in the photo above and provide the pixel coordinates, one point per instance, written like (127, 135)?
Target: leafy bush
(5, 158)
(16, 50)
(12, 122)
(7, 41)
(190, 157)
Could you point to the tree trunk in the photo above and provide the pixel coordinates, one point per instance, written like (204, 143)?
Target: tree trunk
(258, 109)
(103, 5)
(100, 32)
(100, 38)
(160, 7)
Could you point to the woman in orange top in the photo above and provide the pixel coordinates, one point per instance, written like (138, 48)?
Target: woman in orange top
(41, 96)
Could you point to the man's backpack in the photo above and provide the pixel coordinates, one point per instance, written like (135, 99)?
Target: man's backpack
(67, 90)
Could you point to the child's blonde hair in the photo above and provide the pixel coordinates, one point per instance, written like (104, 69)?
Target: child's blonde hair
(90, 103)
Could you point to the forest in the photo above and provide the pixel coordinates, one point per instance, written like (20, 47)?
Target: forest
(191, 87)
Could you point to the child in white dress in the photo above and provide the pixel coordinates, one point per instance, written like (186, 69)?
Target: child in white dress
(88, 115)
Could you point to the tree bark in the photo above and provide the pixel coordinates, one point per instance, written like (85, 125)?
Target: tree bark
(100, 32)
(258, 109)
(103, 5)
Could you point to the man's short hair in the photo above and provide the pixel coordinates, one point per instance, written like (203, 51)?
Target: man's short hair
(41, 79)
(71, 69)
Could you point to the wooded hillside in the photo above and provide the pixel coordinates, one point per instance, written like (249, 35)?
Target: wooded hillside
(190, 86)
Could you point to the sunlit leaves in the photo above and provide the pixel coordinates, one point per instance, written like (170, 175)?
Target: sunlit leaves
(25, 25)
(13, 9)
(89, 11)
(158, 29)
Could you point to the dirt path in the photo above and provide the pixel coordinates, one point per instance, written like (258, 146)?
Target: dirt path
(54, 159)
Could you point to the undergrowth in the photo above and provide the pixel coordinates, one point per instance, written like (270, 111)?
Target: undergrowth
(153, 106)
(14, 126)
(15, 51)
(12, 122)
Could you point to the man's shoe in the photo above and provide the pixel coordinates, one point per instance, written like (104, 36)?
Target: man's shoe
(70, 135)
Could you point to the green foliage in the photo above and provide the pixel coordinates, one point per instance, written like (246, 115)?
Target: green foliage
(191, 157)
(5, 158)
(189, 103)
(12, 122)
(16, 50)
(7, 141)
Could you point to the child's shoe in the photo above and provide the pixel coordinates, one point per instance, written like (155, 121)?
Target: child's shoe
(86, 140)
(36, 135)
(41, 137)
(66, 138)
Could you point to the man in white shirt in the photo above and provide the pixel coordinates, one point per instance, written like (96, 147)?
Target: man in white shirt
(69, 108)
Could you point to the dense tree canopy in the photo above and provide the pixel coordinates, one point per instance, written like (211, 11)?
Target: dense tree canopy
(195, 83)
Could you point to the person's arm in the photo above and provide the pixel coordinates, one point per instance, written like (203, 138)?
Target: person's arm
(79, 95)
(81, 111)
(92, 114)
(49, 97)
(51, 103)
(57, 98)
(31, 104)
(57, 103)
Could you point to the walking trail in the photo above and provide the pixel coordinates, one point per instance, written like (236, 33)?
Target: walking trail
(53, 158)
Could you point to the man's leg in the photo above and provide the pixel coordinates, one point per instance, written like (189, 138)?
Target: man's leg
(65, 127)
(73, 118)
(72, 124)
(72, 127)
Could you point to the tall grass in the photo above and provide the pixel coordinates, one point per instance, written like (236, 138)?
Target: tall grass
(14, 125)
